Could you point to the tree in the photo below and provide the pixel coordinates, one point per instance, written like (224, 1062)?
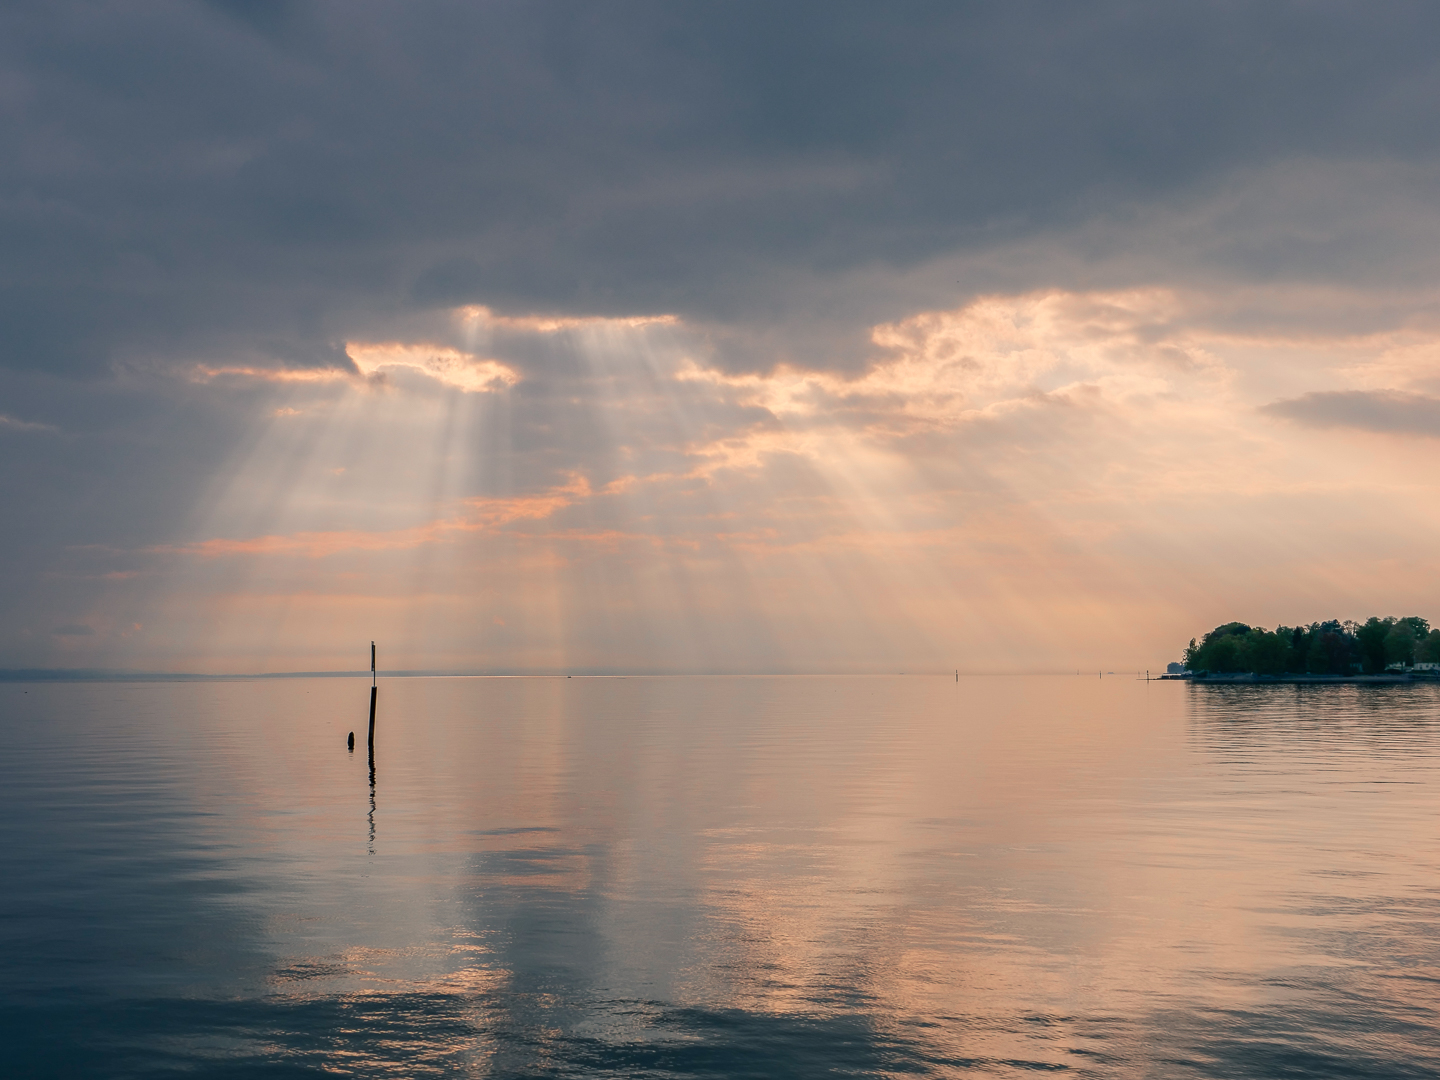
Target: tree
(1428, 649)
(1222, 654)
(1297, 641)
(1420, 627)
(1400, 645)
(1220, 650)
(1265, 653)
(1331, 649)
(1372, 642)
(1322, 648)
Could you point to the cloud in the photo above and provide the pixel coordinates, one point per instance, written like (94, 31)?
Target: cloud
(450, 367)
(374, 360)
(859, 327)
(206, 372)
(191, 185)
(1008, 474)
(985, 364)
(9, 423)
(477, 515)
(477, 316)
(74, 630)
(1387, 412)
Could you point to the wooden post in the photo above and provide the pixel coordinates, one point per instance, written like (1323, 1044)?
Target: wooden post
(373, 687)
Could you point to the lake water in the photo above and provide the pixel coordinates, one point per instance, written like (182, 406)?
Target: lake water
(767, 877)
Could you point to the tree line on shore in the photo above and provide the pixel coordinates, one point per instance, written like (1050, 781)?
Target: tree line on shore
(1322, 648)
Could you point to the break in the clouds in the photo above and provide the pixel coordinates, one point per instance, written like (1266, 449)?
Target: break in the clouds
(709, 335)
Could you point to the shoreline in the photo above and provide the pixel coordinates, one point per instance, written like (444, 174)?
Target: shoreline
(1244, 678)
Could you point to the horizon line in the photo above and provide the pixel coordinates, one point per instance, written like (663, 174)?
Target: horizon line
(128, 675)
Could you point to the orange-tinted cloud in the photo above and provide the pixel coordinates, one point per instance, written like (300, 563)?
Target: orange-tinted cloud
(445, 365)
(480, 316)
(478, 515)
(209, 372)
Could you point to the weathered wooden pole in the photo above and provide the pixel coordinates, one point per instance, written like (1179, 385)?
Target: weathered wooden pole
(374, 686)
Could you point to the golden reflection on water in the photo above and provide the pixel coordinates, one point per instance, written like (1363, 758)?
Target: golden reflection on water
(912, 849)
(1047, 871)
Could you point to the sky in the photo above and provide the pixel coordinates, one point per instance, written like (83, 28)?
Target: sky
(711, 336)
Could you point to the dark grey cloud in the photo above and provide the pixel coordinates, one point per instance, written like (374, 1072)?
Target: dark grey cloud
(188, 179)
(1389, 412)
(11, 423)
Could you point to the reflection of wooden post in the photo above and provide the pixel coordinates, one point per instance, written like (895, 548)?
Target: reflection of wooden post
(373, 688)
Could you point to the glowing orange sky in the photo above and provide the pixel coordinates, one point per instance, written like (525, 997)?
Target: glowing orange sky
(1049, 480)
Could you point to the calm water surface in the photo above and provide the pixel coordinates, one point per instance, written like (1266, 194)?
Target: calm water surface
(720, 878)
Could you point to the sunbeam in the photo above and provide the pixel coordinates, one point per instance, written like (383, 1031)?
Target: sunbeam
(1018, 476)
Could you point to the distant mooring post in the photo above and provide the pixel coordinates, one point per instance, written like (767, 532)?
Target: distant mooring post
(374, 686)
